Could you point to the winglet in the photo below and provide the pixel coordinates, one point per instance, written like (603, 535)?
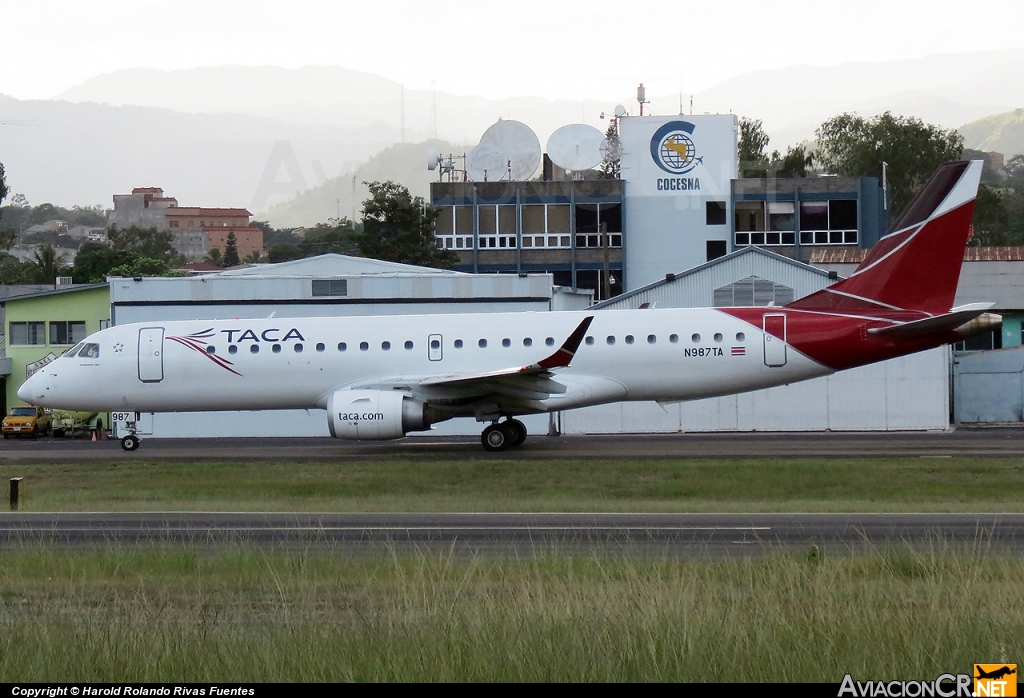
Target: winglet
(564, 354)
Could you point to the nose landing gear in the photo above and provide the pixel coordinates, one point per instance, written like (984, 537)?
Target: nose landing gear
(130, 442)
(501, 435)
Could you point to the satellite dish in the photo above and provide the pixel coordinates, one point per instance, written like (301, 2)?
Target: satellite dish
(576, 147)
(486, 163)
(432, 160)
(620, 110)
(517, 146)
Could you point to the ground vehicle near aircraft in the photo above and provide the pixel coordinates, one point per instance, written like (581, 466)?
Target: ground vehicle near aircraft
(383, 377)
(26, 421)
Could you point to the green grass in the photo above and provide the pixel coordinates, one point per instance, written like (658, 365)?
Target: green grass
(182, 614)
(723, 485)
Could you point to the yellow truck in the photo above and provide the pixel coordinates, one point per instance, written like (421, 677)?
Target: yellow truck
(27, 420)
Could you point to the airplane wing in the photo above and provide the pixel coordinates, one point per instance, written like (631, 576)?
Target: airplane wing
(521, 387)
(560, 359)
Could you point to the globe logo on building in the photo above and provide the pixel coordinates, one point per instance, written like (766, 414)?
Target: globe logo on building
(673, 149)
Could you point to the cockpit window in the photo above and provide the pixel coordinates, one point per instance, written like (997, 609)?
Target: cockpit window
(89, 351)
(74, 350)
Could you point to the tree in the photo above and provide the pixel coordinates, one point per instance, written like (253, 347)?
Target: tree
(285, 252)
(1014, 167)
(753, 141)
(6, 236)
(990, 221)
(95, 260)
(400, 228)
(231, 250)
(796, 163)
(147, 242)
(214, 256)
(144, 266)
(610, 165)
(856, 147)
(338, 237)
(47, 265)
(3, 189)
(272, 236)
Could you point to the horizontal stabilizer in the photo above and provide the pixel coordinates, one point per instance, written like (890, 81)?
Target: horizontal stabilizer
(940, 323)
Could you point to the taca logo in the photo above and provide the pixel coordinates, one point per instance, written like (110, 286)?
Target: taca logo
(673, 149)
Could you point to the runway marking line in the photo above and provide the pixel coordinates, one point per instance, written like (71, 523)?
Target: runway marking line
(178, 529)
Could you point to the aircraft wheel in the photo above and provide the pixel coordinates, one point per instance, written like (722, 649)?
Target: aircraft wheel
(130, 442)
(496, 438)
(518, 430)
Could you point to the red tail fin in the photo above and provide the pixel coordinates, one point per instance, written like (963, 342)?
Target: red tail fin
(916, 265)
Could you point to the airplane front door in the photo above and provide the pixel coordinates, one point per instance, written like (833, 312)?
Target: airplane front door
(151, 354)
(775, 340)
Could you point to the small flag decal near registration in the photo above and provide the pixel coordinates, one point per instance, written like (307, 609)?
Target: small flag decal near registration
(739, 351)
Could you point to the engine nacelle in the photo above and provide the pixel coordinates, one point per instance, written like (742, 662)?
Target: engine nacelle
(368, 415)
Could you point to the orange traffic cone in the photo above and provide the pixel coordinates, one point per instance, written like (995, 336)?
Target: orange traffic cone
(94, 436)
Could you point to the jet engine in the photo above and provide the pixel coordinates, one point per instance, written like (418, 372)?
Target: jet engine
(377, 414)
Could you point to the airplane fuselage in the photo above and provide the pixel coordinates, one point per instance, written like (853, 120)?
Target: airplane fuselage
(665, 355)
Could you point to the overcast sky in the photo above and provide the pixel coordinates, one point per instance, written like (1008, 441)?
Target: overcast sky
(551, 48)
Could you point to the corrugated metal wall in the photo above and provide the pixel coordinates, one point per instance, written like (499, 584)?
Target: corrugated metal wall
(988, 386)
(909, 393)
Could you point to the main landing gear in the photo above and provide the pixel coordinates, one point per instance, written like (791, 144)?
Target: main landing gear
(501, 435)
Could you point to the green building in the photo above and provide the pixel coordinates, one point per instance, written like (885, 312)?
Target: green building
(39, 327)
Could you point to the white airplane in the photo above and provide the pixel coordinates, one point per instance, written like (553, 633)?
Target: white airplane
(383, 377)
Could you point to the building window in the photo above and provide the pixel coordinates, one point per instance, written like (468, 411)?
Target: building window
(715, 212)
(28, 333)
(831, 222)
(982, 342)
(330, 287)
(752, 291)
(65, 332)
(598, 218)
(174, 224)
(765, 222)
(715, 249)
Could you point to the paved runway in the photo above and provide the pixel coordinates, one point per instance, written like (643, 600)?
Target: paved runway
(685, 534)
(979, 442)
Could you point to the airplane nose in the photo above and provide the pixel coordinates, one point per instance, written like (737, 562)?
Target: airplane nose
(34, 389)
(25, 391)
